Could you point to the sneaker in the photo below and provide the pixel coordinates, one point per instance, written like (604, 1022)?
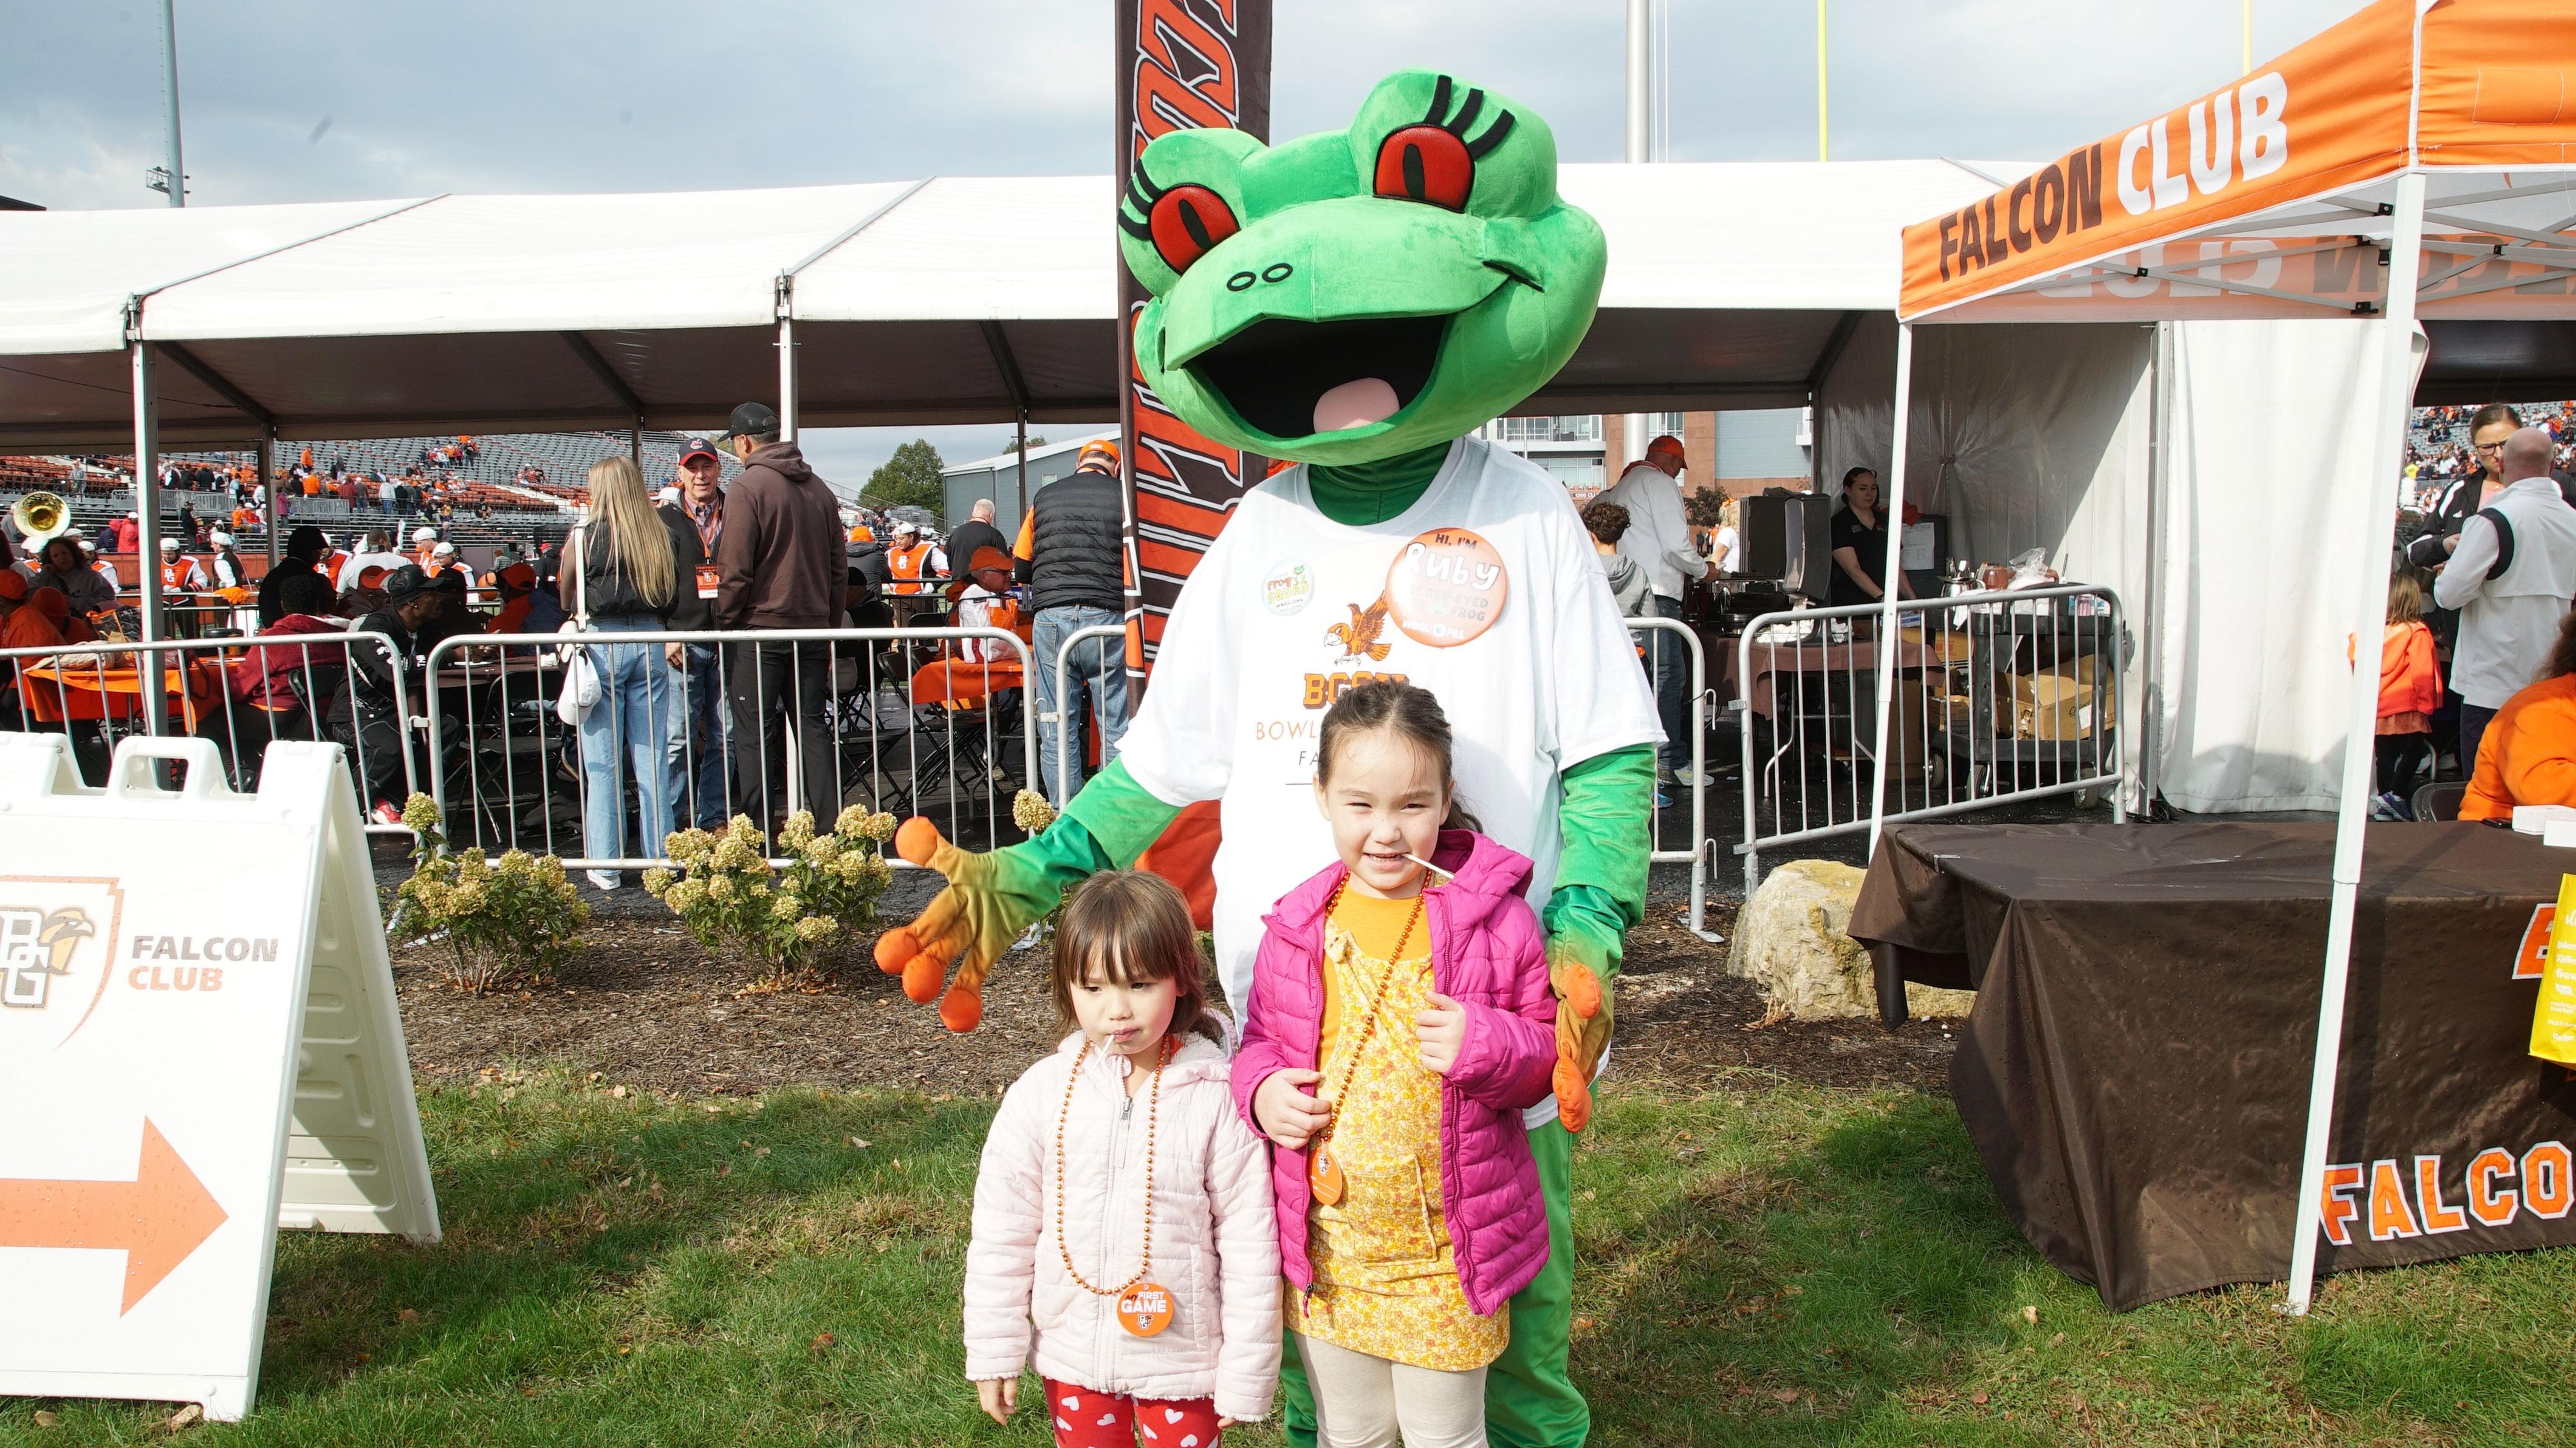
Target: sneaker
(2396, 805)
(605, 880)
(1689, 778)
(1663, 800)
(386, 812)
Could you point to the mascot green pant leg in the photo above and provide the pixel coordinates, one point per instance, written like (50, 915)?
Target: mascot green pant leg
(1530, 1400)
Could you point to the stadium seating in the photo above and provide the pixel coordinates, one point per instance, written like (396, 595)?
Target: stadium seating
(519, 488)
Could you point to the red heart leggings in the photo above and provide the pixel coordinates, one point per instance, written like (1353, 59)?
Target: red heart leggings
(1086, 1419)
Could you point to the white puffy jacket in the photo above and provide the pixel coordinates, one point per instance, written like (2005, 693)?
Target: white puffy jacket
(1216, 1245)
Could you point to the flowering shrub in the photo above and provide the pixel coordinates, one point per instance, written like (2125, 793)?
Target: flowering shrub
(786, 918)
(502, 918)
(1031, 812)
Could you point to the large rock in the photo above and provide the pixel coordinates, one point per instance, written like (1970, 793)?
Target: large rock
(1791, 940)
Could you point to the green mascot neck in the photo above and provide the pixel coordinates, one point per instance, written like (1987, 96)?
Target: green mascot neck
(1365, 493)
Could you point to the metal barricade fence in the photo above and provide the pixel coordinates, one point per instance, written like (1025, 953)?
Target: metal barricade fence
(1997, 696)
(908, 721)
(239, 693)
(1085, 726)
(1696, 852)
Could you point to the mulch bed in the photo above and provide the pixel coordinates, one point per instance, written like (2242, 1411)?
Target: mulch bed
(645, 1005)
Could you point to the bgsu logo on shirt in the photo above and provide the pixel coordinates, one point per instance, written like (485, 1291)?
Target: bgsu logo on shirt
(57, 936)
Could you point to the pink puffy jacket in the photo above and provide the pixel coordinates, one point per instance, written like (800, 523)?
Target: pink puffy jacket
(1487, 953)
(1214, 1247)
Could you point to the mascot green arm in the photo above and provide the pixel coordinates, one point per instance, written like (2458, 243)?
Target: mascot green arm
(992, 899)
(1600, 893)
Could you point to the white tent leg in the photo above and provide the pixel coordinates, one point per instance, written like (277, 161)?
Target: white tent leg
(147, 508)
(2370, 610)
(1891, 508)
(786, 379)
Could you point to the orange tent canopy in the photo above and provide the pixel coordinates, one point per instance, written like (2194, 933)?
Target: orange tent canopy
(2283, 177)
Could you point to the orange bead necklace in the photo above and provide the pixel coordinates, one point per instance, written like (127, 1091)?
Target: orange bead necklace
(1144, 1307)
(1323, 1171)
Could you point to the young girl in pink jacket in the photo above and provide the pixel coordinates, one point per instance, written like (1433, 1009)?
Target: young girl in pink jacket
(1399, 1023)
(1122, 1237)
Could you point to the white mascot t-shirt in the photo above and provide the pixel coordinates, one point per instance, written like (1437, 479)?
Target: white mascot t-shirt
(1487, 592)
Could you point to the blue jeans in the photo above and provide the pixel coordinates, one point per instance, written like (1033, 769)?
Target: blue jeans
(1097, 667)
(1668, 665)
(701, 735)
(629, 728)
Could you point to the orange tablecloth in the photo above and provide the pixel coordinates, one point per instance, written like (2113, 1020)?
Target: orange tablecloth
(87, 687)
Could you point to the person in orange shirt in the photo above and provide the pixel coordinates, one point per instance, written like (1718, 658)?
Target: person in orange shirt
(517, 586)
(2529, 753)
(2410, 689)
(22, 626)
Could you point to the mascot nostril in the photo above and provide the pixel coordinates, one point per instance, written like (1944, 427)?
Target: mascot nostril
(1385, 291)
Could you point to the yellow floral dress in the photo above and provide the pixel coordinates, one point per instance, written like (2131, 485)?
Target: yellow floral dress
(1386, 1279)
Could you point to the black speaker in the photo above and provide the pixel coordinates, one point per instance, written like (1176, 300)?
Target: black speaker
(1788, 536)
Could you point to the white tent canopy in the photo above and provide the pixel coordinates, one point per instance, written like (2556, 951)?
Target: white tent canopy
(952, 299)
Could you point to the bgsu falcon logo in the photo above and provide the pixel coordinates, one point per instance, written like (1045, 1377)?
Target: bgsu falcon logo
(57, 937)
(35, 949)
(1359, 639)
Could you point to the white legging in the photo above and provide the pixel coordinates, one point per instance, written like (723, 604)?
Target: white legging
(1369, 1402)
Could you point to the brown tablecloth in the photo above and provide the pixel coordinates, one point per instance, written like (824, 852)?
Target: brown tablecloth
(2135, 1071)
(1814, 656)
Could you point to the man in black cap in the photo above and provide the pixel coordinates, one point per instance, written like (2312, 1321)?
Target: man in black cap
(779, 565)
(304, 548)
(381, 690)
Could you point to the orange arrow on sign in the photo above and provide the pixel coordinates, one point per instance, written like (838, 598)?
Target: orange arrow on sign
(156, 1220)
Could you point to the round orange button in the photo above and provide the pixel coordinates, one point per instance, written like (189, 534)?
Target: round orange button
(1446, 587)
(1145, 1309)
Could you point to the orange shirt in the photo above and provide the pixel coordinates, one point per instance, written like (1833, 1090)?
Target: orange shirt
(2529, 753)
(26, 627)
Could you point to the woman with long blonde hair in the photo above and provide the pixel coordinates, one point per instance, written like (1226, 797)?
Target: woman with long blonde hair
(621, 575)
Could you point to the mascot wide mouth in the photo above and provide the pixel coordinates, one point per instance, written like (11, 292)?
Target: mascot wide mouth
(1276, 374)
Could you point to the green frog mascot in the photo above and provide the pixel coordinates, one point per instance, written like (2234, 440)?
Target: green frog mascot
(1362, 302)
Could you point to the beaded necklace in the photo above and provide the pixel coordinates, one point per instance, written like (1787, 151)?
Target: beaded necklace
(1144, 1307)
(1323, 1171)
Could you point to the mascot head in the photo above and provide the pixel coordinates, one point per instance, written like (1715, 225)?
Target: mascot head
(1359, 294)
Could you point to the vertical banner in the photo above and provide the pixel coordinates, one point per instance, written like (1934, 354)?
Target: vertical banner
(1181, 64)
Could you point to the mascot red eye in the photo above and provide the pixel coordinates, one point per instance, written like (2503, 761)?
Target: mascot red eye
(1187, 222)
(1426, 163)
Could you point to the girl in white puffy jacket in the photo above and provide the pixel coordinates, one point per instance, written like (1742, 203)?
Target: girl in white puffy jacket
(1124, 1235)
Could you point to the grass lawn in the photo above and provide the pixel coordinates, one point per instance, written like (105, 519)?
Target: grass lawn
(1778, 1266)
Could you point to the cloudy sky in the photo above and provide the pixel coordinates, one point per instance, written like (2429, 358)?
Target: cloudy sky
(303, 100)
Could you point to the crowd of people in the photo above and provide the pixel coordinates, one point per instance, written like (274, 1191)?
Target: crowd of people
(774, 551)
(2478, 605)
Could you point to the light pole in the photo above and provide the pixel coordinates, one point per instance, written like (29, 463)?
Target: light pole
(172, 178)
(1643, 106)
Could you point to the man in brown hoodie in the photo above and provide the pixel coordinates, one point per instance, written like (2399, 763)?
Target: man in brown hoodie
(779, 565)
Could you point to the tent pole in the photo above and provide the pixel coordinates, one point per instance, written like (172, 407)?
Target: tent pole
(1020, 506)
(1891, 511)
(266, 480)
(2361, 711)
(635, 448)
(2147, 771)
(147, 508)
(786, 379)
